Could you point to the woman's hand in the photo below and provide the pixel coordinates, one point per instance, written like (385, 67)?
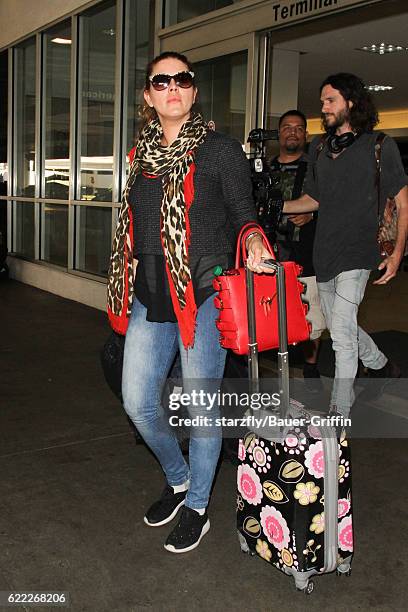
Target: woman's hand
(257, 252)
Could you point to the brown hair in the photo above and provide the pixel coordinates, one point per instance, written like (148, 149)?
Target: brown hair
(147, 113)
(363, 113)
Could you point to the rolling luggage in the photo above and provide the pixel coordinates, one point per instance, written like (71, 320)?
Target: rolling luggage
(294, 481)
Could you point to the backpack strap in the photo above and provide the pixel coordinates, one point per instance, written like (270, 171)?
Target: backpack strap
(381, 136)
(320, 146)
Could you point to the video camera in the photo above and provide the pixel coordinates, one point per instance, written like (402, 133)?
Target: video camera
(266, 192)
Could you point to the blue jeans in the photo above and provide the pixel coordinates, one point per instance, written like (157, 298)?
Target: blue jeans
(340, 298)
(150, 349)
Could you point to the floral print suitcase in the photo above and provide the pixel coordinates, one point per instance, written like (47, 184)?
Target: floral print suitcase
(294, 483)
(294, 501)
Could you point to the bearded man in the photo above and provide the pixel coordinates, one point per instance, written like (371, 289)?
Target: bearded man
(342, 183)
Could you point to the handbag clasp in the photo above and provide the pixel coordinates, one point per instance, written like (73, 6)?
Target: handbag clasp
(266, 302)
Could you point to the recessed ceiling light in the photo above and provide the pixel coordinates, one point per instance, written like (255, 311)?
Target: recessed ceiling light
(379, 87)
(61, 41)
(382, 48)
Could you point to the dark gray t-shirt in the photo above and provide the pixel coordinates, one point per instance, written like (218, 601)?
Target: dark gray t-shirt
(345, 187)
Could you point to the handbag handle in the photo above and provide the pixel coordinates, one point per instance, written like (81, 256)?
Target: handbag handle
(247, 229)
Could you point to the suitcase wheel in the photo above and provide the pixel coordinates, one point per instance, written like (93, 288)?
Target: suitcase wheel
(308, 589)
(248, 552)
(244, 545)
(341, 572)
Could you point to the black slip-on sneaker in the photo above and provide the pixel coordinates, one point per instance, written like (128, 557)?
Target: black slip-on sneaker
(165, 509)
(378, 380)
(188, 532)
(390, 370)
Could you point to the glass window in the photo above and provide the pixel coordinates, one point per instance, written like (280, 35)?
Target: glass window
(221, 86)
(3, 116)
(23, 223)
(25, 118)
(54, 226)
(57, 57)
(138, 33)
(97, 89)
(180, 10)
(3, 229)
(93, 239)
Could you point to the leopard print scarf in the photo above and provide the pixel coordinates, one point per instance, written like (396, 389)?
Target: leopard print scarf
(175, 165)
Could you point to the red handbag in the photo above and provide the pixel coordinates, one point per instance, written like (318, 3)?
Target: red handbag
(232, 303)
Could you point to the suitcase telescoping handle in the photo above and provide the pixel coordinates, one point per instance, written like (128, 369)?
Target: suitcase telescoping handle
(253, 369)
(241, 256)
(283, 359)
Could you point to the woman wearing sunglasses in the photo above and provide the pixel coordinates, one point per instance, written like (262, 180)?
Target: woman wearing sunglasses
(187, 196)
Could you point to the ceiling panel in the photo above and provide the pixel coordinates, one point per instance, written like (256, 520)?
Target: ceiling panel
(334, 50)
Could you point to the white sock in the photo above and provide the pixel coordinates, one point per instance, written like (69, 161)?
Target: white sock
(200, 511)
(182, 487)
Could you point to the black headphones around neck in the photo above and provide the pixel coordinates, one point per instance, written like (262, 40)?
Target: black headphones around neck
(337, 144)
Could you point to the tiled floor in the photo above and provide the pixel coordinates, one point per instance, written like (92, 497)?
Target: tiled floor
(74, 486)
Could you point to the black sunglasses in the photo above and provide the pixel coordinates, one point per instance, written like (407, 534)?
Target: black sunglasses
(183, 79)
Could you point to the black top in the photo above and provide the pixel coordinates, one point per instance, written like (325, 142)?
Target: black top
(294, 243)
(152, 287)
(345, 187)
(222, 205)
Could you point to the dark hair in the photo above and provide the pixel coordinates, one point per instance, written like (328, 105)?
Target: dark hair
(363, 113)
(147, 113)
(293, 113)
